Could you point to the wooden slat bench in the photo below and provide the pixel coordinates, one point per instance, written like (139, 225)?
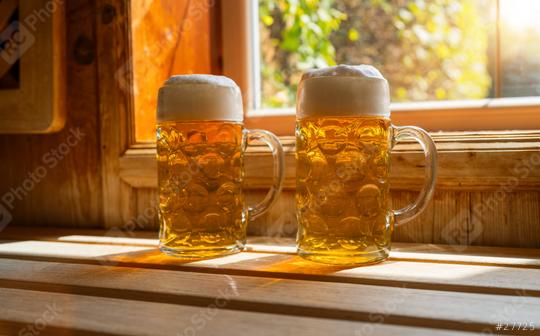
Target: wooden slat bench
(85, 282)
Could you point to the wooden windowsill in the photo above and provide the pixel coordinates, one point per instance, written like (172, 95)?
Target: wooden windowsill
(469, 116)
(467, 161)
(101, 284)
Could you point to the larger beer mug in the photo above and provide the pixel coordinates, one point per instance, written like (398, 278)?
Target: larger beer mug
(200, 153)
(343, 141)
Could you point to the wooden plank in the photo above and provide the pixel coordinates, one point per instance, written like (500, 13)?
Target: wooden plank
(99, 247)
(344, 301)
(83, 235)
(420, 229)
(147, 209)
(493, 226)
(115, 107)
(505, 218)
(235, 34)
(481, 255)
(91, 315)
(524, 208)
(470, 275)
(451, 222)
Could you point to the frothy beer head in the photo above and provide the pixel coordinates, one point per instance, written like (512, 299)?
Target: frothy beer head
(343, 90)
(199, 97)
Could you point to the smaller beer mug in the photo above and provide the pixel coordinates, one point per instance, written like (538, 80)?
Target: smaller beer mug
(201, 142)
(343, 141)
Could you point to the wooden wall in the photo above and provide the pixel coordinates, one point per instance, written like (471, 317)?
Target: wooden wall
(452, 217)
(66, 186)
(69, 193)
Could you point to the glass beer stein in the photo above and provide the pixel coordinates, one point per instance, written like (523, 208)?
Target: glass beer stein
(343, 141)
(200, 153)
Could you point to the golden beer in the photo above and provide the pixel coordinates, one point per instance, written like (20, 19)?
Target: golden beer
(342, 188)
(200, 187)
(343, 141)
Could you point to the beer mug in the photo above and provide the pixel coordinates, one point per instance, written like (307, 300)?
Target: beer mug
(201, 142)
(343, 141)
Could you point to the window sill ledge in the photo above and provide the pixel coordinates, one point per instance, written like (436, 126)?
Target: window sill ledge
(451, 116)
(467, 161)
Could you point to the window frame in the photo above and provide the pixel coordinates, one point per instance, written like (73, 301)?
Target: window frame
(483, 160)
(239, 63)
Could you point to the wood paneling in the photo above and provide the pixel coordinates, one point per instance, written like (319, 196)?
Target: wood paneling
(524, 209)
(449, 219)
(267, 290)
(420, 229)
(147, 214)
(453, 217)
(115, 106)
(69, 194)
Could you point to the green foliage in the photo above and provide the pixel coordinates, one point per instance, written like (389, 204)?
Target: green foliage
(428, 49)
(302, 40)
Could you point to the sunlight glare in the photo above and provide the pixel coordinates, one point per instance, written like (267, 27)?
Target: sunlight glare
(109, 240)
(67, 250)
(520, 14)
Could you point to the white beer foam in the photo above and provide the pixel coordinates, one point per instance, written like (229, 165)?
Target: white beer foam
(343, 90)
(199, 97)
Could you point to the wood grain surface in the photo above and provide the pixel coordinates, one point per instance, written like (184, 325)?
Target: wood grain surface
(71, 275)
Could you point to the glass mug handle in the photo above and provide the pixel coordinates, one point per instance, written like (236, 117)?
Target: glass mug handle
(412, 210)
(279, 168)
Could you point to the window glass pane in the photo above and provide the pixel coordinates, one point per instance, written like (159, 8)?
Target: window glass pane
(427, 49)
(520, 48)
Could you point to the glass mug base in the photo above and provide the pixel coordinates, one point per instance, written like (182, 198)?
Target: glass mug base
(345, 258)
(207, 253)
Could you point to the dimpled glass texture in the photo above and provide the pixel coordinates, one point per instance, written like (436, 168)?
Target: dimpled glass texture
(342, 196)
(201, 203)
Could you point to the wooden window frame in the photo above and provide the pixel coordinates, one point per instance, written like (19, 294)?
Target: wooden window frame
(472, 115)
(467, 160)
